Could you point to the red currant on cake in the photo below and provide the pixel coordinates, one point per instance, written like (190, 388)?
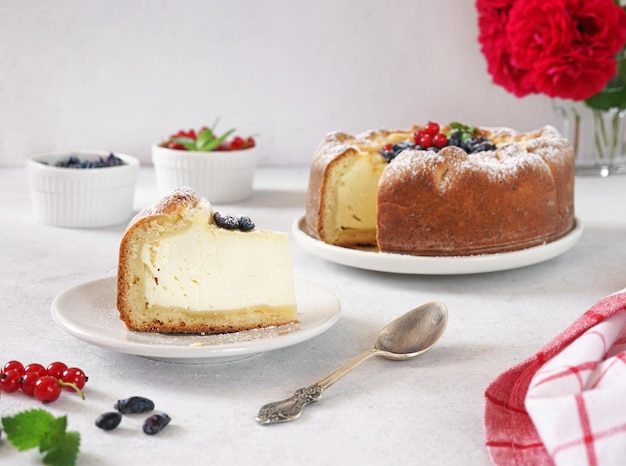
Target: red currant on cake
(440, 140)
(417, 136)
(426, 140)
(431, 128)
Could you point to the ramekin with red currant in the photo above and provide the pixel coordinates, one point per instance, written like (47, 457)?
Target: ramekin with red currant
(207, 140)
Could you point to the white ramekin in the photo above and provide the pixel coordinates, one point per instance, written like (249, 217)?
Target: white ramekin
(220, 176)
(82, 197)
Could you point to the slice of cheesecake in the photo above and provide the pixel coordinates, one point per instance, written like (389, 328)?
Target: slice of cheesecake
(180, 272)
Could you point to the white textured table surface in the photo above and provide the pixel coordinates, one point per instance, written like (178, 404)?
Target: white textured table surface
(425, 411)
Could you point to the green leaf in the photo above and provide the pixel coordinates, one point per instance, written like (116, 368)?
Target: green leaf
(614, 93)
(189, 143)
(210, 145)
(621, 70)
(458, 125)
(38, 427)
(467, 131)
(26, 429)
(65, 451)
(55, 433)
(607, 99)
(204, 137)
(462, 127)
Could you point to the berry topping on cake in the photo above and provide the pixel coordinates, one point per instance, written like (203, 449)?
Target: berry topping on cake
(431, 137)
(245, 223)
(232, 222)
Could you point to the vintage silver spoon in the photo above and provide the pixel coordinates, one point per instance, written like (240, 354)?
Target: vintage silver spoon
(408, 336)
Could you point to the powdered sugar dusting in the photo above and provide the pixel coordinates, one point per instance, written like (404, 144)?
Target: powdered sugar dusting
(333, 145)
(545, 143)
(215, 339)
(515, 151)
(178, 198)
(502, 163)
(337, 142)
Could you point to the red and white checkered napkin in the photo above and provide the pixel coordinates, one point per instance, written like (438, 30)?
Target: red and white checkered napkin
(566, 405)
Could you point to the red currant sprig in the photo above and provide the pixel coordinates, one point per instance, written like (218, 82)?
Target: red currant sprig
(43, 383)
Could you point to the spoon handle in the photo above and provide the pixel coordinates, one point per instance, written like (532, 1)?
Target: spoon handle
(291, 408)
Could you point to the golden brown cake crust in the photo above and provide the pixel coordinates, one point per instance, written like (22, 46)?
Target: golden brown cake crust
(176, 202)
(454, 203)
(338, 148)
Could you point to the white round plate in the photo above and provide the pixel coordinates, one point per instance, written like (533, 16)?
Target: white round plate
(428, 265)
(88, 312)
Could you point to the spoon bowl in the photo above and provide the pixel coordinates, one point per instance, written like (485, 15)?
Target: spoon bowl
(413, 333)
(406, 337)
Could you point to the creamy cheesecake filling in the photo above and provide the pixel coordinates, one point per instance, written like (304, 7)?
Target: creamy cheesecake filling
(232, 275)
(356, 195)
(353, 195)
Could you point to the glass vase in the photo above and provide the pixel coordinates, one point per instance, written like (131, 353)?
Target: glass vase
(598, 137)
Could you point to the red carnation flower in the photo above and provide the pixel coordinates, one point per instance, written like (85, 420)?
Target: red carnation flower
(560, 48)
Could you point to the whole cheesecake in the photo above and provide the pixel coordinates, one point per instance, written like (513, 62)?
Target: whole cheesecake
(184, 268)
(505, 191)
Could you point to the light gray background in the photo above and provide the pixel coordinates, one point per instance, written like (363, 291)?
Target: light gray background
(122, 74)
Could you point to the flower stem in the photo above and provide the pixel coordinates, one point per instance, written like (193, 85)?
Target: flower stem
(599, 133)
(576, 132)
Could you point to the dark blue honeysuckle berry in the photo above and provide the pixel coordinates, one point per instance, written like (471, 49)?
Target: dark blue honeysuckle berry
(231, 222)
(156, 423)
(484, 146)
(73, 161)
(468, 144)
(245, 223)
(455, 139)
(113, 161)
(400, 146)
(389, 155)
(228, 222)
(109, 421)
(396, 149)
(134, 404)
